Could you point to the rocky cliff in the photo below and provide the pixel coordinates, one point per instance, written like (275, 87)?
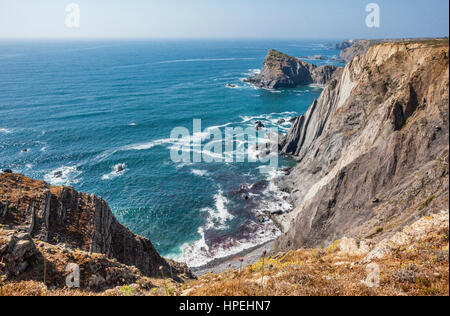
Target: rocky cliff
(344, 44)
(33, 212)
(357, 48)
(373, 149)
(283, 71)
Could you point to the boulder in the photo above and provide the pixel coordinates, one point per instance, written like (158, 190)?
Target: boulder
(16, 252)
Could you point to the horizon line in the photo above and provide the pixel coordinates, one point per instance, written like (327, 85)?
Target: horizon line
(216, 38)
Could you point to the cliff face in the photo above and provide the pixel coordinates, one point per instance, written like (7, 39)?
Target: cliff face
(283, 71)
(344, 44)
(356, 48)
(61, 215)
(373, 149)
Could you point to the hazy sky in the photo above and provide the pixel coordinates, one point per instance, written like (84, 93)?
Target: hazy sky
(319, 19)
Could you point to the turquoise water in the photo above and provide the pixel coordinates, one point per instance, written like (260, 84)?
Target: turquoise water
(80, 109)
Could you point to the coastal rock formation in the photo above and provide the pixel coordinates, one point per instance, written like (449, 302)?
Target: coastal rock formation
(306, 128)
(357, 48)
(344, 44)
(373, 149)
(61, 215)
(283, 71)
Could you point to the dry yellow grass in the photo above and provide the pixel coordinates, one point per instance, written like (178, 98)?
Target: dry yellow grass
(420, 271)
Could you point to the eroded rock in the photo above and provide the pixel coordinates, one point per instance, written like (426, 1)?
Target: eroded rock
(284, 71)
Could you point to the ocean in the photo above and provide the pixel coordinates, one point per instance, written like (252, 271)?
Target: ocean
(72, 112)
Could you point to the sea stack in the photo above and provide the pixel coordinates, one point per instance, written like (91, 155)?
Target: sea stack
(284, 71)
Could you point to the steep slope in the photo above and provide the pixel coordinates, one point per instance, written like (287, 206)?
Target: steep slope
(63, 216)
(357, 48)
(283, 71)
(373, 149)
(414, 262)
(344, 44)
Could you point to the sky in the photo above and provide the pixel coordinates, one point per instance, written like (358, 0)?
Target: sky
(191, 19)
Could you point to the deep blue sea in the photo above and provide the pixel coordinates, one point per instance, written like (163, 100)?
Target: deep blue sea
(71, 112)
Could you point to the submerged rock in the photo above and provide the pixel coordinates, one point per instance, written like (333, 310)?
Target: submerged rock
(120, 168)
(58, 174)
(259, 125)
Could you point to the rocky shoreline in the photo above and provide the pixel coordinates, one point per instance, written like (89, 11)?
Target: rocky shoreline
(236, 261)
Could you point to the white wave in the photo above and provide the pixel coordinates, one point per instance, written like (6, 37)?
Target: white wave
(271, 116)
(183, 164)
(195, 142)
(251, 73)
(5, 130)
(198, 253)
(220, 214)
(249, 85)
(146, 146)
(200, 173)
(115, 173)
(29, 166)
(195, 139)
(255, 71)
(66, 175)
(276, 200)
(209, 129)
(132, 124)
(316, 85)
(141, 146)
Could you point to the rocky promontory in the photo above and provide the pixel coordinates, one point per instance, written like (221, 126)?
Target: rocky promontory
(373, 150)
(284, 71)
(74, 225)
(344, 44)
(351, 49)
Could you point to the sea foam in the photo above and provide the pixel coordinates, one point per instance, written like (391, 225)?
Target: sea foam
(66, 175)
(115, 173)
